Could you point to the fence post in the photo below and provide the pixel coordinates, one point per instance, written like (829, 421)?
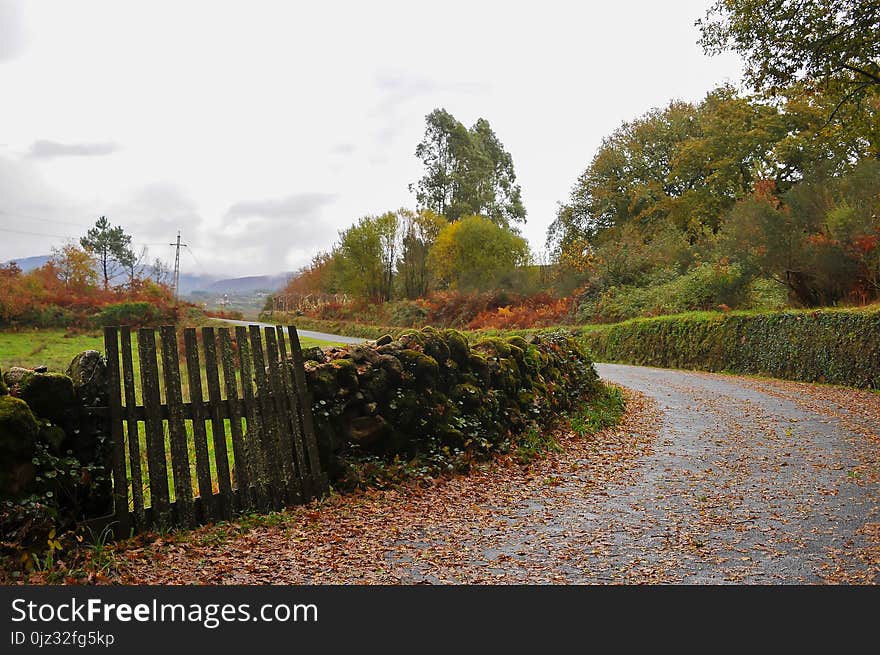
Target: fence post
(120, 480)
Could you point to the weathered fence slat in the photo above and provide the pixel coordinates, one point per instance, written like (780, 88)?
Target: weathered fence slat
(284, 411)
(256, 459)
(183, 497)
(156, 457)
(120, 480)
(274, 457)
(241, 471)
(269, 420)
(320, 483)
(218, 425)
(302, 467)
(199, 415)
(134, 440)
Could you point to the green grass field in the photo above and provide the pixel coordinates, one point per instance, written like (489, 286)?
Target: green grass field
(56, 348)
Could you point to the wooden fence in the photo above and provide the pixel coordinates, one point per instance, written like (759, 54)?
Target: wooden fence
(262, 410)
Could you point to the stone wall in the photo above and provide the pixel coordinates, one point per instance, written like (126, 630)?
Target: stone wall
(430, 391)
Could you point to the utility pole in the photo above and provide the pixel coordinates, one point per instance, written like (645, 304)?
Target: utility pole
(177, 264)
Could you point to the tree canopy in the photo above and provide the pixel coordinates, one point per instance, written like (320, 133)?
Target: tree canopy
(467, 171)
(834, 43)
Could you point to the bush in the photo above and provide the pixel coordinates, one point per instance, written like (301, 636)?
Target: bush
(704, 287)
(137, 314)
(836, 346)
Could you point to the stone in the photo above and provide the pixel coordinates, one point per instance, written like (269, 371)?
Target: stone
(18, 432)
(15, 375)
(88, 371)
(49, 395)
(366, 430)
(384, 340)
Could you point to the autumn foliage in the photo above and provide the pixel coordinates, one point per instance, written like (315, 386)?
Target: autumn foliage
(65, 293)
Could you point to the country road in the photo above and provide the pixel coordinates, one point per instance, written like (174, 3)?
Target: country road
(710, 479)
(321, 336)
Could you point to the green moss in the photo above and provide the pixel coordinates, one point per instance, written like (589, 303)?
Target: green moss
(459, 348)
(422, 367)
(3, 389)
(346, 373)
(18, 427)
(49, 395)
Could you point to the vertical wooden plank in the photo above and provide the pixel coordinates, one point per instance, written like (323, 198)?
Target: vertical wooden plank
(302, 466)
(199, 416)
(155, 433)
(120, 480)
(282, 346)
(218, 426)
(183, 496)
(269, 424)
(134, 442)
(242, 472)
(319, 478)
(284, 412)
(253, 434)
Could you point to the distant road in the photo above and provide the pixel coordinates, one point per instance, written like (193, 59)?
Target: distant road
(322, 336)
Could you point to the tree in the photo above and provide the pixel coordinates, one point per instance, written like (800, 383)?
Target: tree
(467, 171)
(112, 246)
(474, 252)
(835, 43)
(75, 267)
(418, 235)
(367, 256)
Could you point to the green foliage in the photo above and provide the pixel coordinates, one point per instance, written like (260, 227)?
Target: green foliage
(467, 171)
(832, 43)
(834, 346)
(474, 253)
(366, 256)
(112, 248)
(141, 314)
(704, 287)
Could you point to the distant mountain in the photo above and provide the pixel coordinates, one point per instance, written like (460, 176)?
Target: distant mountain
(190, 283)
(30, 263)
(249, 284)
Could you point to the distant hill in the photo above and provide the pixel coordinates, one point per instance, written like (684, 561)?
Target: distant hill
(30, 263)
(190, 283)
(249, 284)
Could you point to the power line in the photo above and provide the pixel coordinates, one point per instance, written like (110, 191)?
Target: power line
(36, 234)
(44, 220)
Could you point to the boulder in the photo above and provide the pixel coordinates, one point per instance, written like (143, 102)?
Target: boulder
(18, 431)
(88, 371)
(49, 395)
(15, 375)
(365, 430)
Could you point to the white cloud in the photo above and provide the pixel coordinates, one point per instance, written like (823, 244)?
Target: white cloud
(312, 110)
(44, 149)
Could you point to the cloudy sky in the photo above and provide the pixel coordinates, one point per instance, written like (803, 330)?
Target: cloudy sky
(260, 129)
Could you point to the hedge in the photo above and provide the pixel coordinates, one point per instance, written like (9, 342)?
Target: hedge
(836, 346)
(431, 394)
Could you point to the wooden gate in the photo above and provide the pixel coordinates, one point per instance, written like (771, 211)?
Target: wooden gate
(182, 459)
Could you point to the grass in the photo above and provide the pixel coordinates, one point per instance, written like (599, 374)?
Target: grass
(56, 348)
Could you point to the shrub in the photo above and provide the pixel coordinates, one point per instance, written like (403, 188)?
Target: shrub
(140, 314)
(834, 346)
(704, 287)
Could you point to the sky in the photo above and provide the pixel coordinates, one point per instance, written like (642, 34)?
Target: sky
(260, 129)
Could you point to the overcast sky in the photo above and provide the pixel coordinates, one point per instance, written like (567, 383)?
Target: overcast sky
(261, 128)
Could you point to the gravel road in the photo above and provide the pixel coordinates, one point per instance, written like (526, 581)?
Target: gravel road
(709, 479)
